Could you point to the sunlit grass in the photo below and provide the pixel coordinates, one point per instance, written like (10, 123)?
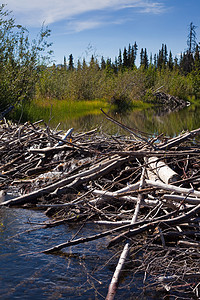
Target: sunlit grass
(62, 110)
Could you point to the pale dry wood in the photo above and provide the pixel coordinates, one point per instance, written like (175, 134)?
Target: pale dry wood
(162, 171)
(178, 140)
(115, 279)
(176, 277)
(172, 188)
(188, 244)
(51, 150)
(184, 199)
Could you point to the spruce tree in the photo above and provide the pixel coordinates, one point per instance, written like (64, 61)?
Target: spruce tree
(71, 62)
(103, 63)
(141, 57)
(146, 61)
(129, 56)
(191, 41)
(120, 59)
(170, 62)
(133, 55)
(125, 58)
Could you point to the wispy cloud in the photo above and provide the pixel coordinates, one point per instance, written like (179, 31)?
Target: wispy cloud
(80, 25)
(35, 12)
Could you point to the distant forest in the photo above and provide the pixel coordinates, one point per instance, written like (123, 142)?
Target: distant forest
(122, 80)
(26, 73)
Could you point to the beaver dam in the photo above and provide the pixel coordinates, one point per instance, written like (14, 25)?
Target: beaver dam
(142, 190)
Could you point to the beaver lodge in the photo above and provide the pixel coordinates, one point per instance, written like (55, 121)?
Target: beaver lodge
(143, 190)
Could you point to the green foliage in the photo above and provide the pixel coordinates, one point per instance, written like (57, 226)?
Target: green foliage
(24, 74)
(20, 60)
(149, 97)
(174, 83)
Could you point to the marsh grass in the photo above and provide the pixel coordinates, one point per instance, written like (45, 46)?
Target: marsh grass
(60, 110)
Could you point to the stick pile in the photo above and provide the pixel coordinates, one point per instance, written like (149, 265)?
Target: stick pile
(146, 189)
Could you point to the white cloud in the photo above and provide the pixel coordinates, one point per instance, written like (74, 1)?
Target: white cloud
(77, 26)
(35, 12)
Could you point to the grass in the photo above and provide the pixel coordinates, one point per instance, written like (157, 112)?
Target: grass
(61, 110)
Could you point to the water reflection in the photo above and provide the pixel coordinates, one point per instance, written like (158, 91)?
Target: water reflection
(152, 120)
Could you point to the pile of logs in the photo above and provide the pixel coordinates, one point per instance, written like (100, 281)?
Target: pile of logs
(168, 103)
(145, 188)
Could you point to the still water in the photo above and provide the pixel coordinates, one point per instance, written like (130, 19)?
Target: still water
(84, 271)
(151, 120)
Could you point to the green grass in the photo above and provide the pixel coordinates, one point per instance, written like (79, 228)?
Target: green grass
(61, 110)
(76, 114)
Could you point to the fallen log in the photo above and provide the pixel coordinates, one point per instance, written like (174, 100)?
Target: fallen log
(162, 171)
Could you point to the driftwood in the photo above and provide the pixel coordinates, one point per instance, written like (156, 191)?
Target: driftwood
(96, 178)
(162, 171)
(115, 279)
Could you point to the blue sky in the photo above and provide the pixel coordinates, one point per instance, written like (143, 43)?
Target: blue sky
(102, 27)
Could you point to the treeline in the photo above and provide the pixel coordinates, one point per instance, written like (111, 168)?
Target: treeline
(122, 79)
(25, 73)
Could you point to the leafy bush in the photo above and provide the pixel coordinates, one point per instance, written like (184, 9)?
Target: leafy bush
(20, 60)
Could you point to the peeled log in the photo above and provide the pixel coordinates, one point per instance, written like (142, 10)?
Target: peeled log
(163, 172)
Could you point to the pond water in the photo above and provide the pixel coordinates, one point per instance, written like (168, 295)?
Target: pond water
(151, 120)
(84, 271)
(81, 272)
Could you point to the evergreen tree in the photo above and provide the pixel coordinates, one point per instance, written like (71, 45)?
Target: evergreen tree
(133, 55)
(191, 41)
(170, 61)
(129, 56)
(109, 69)
(125, 58)
(176, 66)
(151, 59)
(161, 58)
(103, 63)
(84, 66)
(146, 61)
(71, 62)
(144, 58)
(155, 61)
(165, 55)
(196, 56)
(92, 61)
(120, 59)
